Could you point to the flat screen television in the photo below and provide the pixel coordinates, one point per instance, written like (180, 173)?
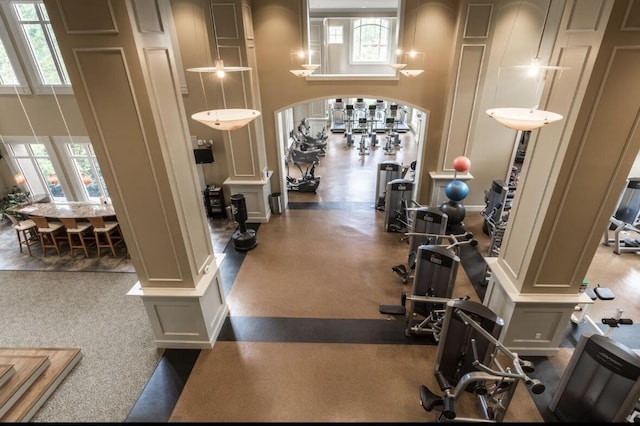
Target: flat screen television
(203, 155)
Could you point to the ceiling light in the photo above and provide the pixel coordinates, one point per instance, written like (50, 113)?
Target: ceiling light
(411, 73)
(523, 118)
(301, 73)
(397, 66)
(226, 119)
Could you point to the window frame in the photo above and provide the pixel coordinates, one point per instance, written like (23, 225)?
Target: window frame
(23, 85)
(22, 45)
(68, 160)
(15, 167)
(352, 46)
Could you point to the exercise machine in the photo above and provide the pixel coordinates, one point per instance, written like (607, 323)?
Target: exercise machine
(308, 181)
(338, 117)
(392, 137)
(359, 112)
(397, 205)
(427, 227)
(348, 131)
(387, 171)
(435, 276)
(308, 142)
(380, 116)
(469, 362)
(363, 149)
(625, 220)
(601, 383)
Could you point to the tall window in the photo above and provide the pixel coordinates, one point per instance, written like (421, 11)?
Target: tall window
(35, 165)
(87, 171)
(33, 21)
(7, 74)
(370, 40)
(334, 34)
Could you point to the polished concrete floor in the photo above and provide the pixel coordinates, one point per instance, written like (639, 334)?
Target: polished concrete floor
(305, 341)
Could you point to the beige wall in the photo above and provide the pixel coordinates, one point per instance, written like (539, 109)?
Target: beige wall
(443, 33)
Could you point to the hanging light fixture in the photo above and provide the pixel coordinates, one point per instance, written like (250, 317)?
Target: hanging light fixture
(307, 68)
(523, 118)
(412, 55)
(527, 118)
(221, 119)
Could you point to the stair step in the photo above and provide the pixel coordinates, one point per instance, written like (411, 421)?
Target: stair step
(28, 369)
(60, 363)
(6, 372)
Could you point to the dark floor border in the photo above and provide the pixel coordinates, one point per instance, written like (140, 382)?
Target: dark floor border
(158, 399)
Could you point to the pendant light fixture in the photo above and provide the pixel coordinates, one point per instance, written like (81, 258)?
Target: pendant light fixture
(412, 55)
(306, 68)
(527, 118)
(221, 119)
(523, 118)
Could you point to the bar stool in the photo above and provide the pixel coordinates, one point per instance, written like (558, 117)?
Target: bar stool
(27, 232)
(49, 233)
(76, 234)
(107, 234)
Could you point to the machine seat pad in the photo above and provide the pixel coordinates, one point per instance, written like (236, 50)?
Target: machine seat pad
(392, 310)
(428, 399)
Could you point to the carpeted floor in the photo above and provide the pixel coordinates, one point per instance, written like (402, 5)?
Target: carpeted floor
(92, 312)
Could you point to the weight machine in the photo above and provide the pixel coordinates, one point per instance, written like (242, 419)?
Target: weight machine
(436, 270)
(468, 361)
(397, 205)
(387, 171)
(625, 219)
(601, 383)
(427, 227)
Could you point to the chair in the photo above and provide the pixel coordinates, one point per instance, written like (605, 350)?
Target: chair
(27, 232)
(77, 233)
(107, 234)
(49, 233)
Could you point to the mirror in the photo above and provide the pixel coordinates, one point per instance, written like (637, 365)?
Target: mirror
(356, 38)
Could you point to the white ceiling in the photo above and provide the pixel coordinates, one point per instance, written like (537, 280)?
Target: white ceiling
(353, 4)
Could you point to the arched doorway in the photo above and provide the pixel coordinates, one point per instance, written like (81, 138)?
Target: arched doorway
(347, 172)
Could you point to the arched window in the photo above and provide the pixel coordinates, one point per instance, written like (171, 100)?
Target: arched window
(370, 40)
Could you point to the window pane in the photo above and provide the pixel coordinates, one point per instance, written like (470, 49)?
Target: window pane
(41, 40)
(41, 53)
(7, 75)
(19, 149)
(38, 149)
(26, 11)
(31, 174)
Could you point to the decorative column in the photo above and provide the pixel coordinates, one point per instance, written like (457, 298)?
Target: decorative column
(572, 176)
(120, 60)
(245, 147)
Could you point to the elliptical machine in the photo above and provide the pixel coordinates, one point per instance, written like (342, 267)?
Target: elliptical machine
(308, 181)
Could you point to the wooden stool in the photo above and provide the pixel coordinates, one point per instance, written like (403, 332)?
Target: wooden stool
(107, 234)
(49, 233)
(76, 234)
(27, 232)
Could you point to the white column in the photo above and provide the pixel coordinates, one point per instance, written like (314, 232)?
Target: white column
(121, 63)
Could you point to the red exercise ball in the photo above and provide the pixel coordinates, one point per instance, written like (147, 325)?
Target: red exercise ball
(461, 163)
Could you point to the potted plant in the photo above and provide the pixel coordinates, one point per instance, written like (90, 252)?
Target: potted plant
(14, 197)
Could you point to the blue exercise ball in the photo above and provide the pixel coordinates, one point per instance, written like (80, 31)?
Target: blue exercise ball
(455, 212)
(456, 190)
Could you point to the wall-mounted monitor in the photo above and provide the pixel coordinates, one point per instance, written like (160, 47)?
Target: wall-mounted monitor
(203, 155)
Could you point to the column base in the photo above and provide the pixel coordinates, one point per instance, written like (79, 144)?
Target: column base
(534, 323)
(184, 318)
